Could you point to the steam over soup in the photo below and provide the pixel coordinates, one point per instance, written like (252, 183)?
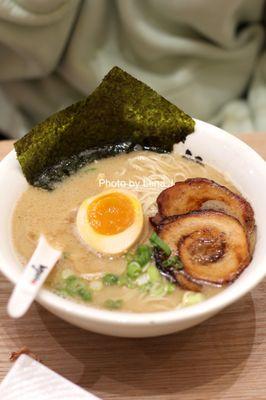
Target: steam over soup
(132, 238)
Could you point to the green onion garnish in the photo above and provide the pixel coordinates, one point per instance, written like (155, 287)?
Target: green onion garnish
(173, 261)
(158, 242)
(110, 279)
(134, 270)
(143, 254)
(113, 304)
(190, 298)
(171, 288)
(125, 280)
(77, 287)
(154, 274)
(84, 294)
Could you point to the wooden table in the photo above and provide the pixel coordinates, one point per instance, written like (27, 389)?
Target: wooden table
(223, 358)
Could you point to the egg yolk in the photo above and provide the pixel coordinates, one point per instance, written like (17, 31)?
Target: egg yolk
(111, 213)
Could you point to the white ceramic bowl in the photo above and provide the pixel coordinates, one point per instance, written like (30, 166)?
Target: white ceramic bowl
(217, 148)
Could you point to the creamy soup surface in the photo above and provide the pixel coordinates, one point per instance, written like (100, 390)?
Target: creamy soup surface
(53, 213)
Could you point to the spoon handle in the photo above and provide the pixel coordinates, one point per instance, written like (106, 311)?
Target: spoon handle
(32, 278)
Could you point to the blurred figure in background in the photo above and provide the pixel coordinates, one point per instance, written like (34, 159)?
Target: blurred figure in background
(206, 56)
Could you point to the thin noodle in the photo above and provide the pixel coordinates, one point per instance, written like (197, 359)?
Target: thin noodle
(159, 171)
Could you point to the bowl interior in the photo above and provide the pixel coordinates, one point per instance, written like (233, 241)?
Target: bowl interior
(219, 149)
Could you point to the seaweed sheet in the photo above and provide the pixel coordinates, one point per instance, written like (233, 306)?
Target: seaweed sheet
(121, 113)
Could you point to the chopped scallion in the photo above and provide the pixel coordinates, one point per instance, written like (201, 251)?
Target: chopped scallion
(170, 288)
(154, 274)
(113, 304)
(110, 279)
(156, 241)
(173, 261)
(190, 298)
(134, 270)
(125, 280)
(129, 256)
(143, 254)
(142, 279)
(158, 290)
(77, 287)
(84, 294)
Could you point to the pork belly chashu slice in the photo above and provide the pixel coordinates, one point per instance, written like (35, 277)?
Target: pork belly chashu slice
(200, 193)
(212, 245)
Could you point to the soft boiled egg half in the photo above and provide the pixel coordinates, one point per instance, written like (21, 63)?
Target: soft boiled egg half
(111, 221)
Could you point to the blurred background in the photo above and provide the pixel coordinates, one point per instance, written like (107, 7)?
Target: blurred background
(206, 56)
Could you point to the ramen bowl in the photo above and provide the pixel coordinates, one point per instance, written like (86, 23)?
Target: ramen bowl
(245, 168)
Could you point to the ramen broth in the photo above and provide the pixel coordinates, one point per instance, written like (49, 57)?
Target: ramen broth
(53, 213)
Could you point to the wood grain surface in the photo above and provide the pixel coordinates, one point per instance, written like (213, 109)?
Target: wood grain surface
(223, 358)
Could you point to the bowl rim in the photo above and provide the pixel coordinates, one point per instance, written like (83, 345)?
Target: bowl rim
(210, 306)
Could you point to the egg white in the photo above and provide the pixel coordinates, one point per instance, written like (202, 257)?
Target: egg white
(110, 244)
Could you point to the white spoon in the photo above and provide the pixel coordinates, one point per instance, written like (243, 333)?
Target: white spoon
(32, 278)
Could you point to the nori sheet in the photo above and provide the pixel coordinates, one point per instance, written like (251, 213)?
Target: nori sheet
(121, 113)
